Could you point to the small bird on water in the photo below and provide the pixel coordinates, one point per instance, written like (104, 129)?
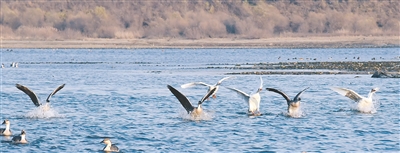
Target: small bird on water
(109, 146)
(21, 139)
(6, 131)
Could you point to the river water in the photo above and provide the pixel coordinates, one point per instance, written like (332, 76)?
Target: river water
(122, 94)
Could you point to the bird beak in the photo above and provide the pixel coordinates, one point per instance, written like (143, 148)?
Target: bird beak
(374, 90)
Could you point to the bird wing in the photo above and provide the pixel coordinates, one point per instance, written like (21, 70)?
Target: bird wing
(54, 92)
(114, 147)
(244, 95)
(30, 93)
(208, 94)
(182, 99)
(188, 85)
(348, 93)
(220, 81)
(280, 92)
(16, 139)
(261, 83)
(297, 97)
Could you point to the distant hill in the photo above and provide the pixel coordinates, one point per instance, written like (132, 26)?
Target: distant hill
(197, 19)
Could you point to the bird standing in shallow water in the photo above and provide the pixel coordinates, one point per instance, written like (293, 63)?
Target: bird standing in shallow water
(109, 146)
(364, 104)
(6, 131)
(20, 139)
(293, 105)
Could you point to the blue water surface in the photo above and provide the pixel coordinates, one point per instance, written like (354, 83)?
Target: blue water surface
(122, 94)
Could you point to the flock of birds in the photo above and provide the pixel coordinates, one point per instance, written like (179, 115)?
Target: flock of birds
(13, 64)
(364, 104)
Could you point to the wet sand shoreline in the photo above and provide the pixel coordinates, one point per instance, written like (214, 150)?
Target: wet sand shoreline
(276, 42)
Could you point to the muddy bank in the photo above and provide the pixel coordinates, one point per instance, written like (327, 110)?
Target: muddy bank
(296, 73)
(315, 68)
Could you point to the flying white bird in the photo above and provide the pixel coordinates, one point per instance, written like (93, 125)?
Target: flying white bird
(364, 104)
(252, 100)
(210, 87)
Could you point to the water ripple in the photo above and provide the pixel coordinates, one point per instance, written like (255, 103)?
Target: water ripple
(125, 98)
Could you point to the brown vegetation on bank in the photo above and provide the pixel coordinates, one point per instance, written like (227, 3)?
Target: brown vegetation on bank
(186, 19)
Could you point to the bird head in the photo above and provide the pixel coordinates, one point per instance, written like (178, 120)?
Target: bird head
(23, 132)
(374, 90)
(6, 122)
(106, 141)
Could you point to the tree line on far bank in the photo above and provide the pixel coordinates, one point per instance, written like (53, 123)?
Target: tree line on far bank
(187, 19)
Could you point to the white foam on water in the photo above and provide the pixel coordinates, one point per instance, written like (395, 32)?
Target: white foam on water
(297, 114)
(204, 116)
(43, 111)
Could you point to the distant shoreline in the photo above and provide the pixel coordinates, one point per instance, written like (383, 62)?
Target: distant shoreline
(276, 42)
